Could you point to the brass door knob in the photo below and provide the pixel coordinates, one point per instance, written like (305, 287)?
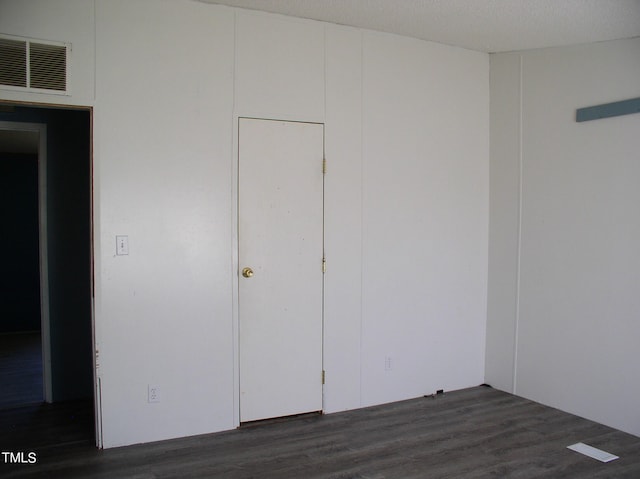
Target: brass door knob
(247, 272)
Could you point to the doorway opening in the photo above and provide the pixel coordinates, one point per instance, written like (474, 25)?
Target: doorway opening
(22, 166)
(46, 312)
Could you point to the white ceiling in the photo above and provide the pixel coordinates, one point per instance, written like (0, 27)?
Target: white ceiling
(483, 25)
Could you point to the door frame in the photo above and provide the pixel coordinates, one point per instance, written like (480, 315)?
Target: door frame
(235, 303)
(41, 130)
(42, 202)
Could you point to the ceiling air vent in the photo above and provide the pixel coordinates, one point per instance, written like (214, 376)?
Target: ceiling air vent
(33, 65)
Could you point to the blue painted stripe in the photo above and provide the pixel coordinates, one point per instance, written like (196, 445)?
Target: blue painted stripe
(618, 108)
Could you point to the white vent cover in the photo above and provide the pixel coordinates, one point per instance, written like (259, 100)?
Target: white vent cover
(34, 65)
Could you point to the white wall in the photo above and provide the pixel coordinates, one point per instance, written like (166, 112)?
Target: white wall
(406, 125)
(424, 217)
(579, 297)
(504, 221)
(163, 125)
(279, 67)
(343, 218)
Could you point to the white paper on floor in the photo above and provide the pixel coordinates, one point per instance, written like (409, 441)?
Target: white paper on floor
(599, 454)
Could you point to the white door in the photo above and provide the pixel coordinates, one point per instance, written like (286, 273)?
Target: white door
(280, 231)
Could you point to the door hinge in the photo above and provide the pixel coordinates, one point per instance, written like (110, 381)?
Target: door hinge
(323, 376)
(324, 166)
(324, 265)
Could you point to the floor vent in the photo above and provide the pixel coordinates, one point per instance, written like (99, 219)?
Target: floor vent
(33, 65)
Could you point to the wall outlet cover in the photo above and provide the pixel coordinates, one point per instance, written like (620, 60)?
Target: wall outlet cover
(153, 393)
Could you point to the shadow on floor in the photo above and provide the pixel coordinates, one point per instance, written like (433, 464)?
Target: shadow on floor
(27, 423)
(20, 369)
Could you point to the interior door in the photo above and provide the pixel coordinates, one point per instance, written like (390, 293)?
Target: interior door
(280, 231)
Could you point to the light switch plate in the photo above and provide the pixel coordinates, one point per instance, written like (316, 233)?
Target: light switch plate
(122, 245)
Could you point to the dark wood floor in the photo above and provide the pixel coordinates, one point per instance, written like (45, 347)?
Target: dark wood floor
(473, 433)
(20, 369)
(26, 423)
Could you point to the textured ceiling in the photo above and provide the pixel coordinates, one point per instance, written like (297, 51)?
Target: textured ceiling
(483, 25)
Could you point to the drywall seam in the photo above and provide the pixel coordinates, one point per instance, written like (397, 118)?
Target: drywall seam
(519, 245)
(361, 207)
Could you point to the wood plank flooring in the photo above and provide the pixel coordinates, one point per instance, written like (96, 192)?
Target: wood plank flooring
(472, 433)
(20, 369)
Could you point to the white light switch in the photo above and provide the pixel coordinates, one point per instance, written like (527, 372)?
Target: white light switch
(122, 245)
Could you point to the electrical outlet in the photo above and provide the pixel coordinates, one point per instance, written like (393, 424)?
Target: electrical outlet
(153, 394)
(388, 363)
